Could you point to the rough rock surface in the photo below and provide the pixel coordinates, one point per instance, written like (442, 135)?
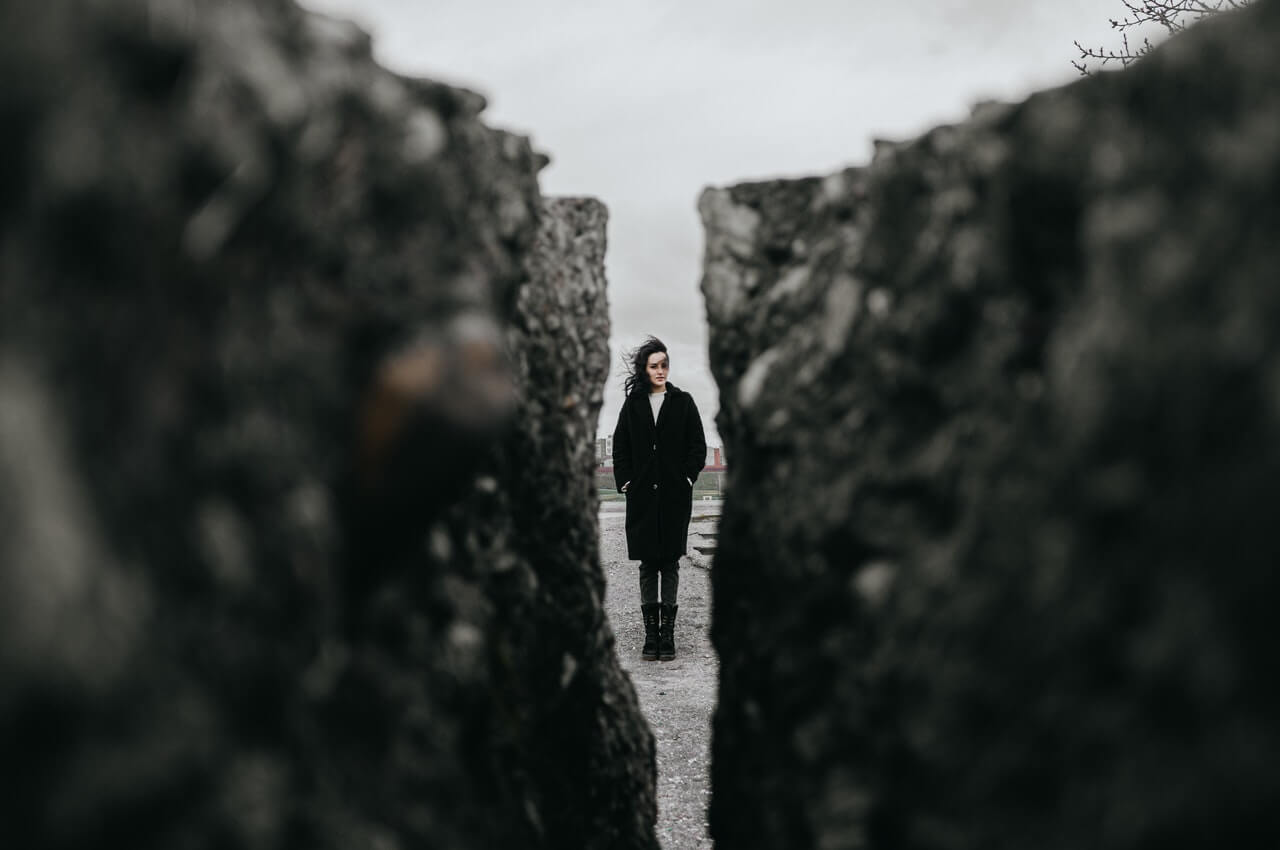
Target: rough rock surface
(997, 558)
(590, 752)
(255, 293)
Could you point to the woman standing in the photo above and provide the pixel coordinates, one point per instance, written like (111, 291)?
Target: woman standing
(658, 450)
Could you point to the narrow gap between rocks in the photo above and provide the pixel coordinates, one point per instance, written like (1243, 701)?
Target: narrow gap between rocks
(678, 697)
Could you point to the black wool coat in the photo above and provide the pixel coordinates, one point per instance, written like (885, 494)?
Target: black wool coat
(659, 461)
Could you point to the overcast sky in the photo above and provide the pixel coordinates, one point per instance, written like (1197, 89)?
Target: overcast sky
(643, 103)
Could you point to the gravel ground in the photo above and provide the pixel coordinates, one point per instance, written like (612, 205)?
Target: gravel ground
(677, 696)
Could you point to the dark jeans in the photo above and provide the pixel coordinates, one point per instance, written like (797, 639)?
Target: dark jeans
(649, 571)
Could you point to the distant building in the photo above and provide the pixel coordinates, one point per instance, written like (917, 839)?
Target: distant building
(604, 451)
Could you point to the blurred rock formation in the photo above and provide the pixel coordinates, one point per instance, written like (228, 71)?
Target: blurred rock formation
(996, 564)
(296, 414)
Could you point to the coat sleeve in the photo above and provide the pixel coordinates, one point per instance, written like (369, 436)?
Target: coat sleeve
(622, 461)
(695, 443)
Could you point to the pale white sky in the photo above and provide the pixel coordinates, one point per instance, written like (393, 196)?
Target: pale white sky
(643, 103)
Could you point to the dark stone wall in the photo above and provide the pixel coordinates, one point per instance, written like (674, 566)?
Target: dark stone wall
(996, 564)
(578, 742)
(270, 349)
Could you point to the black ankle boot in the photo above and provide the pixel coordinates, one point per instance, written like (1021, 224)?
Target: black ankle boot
(667, 633)
(651, 612)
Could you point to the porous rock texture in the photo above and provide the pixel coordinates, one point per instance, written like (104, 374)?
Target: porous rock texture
(590, 753)
(996, 565)
(257, 374)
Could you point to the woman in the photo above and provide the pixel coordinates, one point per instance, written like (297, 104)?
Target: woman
(658, 450)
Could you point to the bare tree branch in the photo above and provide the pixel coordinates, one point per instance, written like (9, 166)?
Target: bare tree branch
(1173, 16)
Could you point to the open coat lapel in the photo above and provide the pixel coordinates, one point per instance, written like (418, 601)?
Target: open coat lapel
(662, 411)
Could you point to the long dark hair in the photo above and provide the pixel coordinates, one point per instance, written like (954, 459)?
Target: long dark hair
(635, 361)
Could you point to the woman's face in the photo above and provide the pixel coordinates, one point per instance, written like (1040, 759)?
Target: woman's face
(656, 368)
